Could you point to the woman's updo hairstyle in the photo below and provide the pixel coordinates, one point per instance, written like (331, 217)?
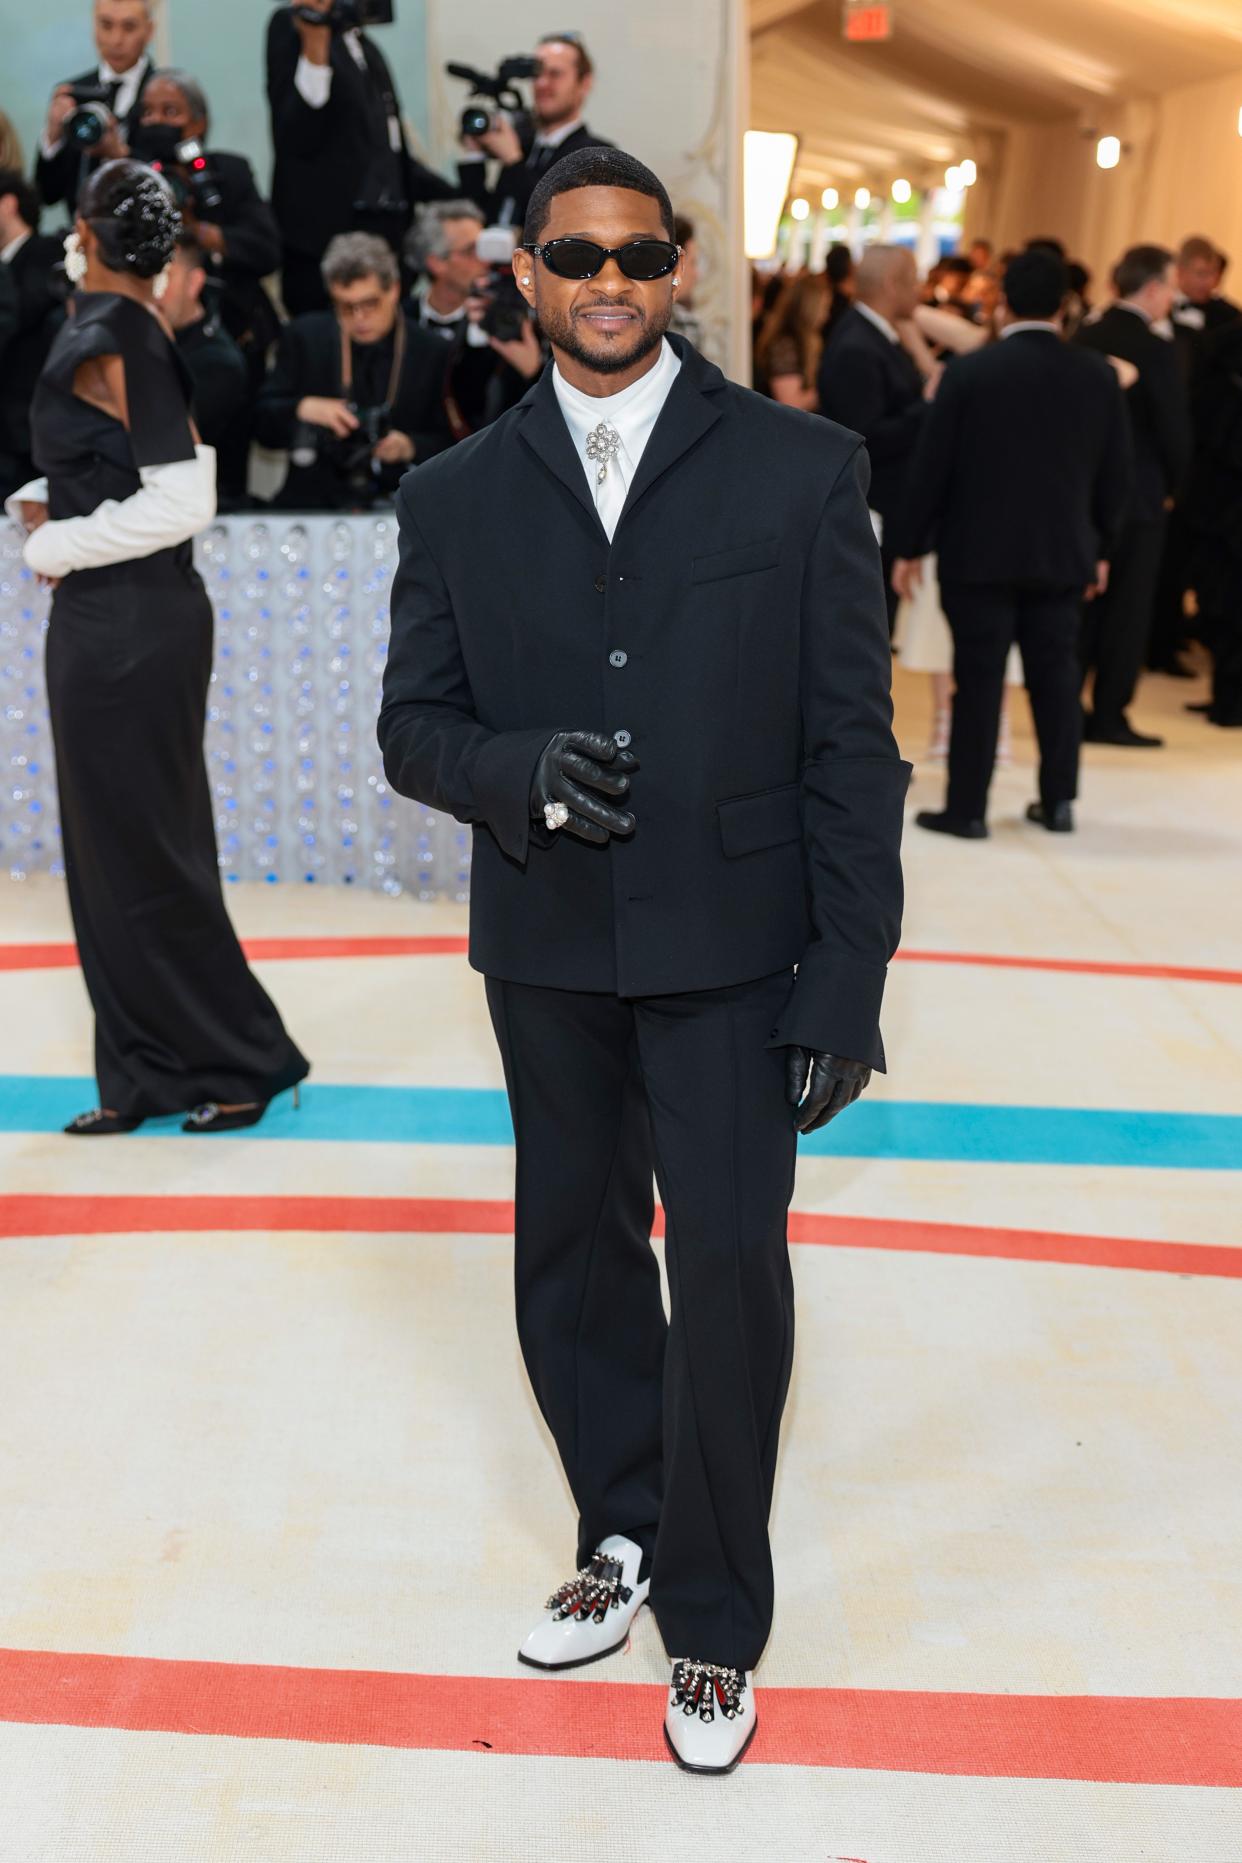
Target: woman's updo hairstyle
(132, 213)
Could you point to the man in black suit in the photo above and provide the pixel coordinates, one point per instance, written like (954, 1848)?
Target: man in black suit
(1214, 511)
(356, 393)
(27, 260)
(342, 162)
(1020, 483)
(566, 77)
(123, 31)
(1117, 624)
(221, 383)
(639, 644)
(868, 382)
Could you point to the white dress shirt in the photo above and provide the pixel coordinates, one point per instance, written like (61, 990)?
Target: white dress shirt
(881, 323)
(1031, 323)
(631, 414)
(9, 253)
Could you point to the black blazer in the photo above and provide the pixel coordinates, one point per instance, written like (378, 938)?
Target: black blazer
(873, 386)
(308, 362)
(508, 200)
(38, 317)
(327, 161)
(1157, 404)
(735, 630)
(1022, 472)
(57, 178)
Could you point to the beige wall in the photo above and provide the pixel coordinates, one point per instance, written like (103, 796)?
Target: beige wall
(1182, 174)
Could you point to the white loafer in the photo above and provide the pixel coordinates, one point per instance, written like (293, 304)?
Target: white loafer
(710, 1719)
(590, 1616)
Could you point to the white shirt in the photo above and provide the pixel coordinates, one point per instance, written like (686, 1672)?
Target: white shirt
(1031, 323)
(130, 82)
(881, 323)
(633, 413)
(313, 83)
(9, 253)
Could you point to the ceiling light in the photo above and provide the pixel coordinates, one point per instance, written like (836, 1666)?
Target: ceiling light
(1108, 151)
(863, 197)
(767, 164)
(902, 192)
(830, 198)
(969, 173)
(799, 209)
(953, 180)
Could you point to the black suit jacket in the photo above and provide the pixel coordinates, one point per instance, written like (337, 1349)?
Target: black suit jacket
(308, 362)
(38, 317)
(743, 589)
(221, 380)
(1157, 405)
(56, 177)
(1022, 472)
(328, 161)
(872, 385)
(507, 201)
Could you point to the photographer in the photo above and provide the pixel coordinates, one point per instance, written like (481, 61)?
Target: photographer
(561, 87)
(493, 357)
(217, 368)
(27, 262)
(110, 95)
(356, 394)
(342, 163)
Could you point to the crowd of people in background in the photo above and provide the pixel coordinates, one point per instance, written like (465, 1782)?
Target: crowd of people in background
(364, 318)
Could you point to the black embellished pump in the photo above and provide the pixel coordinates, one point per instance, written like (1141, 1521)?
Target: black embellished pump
(211, 1117)
(101, 1124)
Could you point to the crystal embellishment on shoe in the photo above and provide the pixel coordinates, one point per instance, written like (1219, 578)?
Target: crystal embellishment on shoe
(702, 1687)
(592, 1592)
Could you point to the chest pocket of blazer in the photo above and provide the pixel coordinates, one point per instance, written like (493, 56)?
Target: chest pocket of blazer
(742, 560)
(748, 823)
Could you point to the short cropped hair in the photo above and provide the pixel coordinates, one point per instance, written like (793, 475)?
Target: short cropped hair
(1140, 266)
(352, 257)
(1196, 247)
(593, 168)
(1036, 284)
(428, 237)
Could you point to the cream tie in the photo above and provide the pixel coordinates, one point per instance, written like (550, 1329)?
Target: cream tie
(603, 445)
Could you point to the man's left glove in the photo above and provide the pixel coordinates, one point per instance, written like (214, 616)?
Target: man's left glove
(834, 1084)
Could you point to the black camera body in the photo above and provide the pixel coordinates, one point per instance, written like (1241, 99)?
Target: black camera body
(345, 15)
(92, 119)
(476, 118)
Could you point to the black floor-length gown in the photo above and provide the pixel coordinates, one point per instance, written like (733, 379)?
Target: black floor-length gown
(179, 1017)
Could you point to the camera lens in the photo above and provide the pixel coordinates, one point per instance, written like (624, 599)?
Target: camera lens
(475, 122)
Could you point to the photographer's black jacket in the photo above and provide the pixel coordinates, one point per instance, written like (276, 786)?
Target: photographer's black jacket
(326, 160)
(506, 203)
(308, 362)
(56, 177)
(38, 317)
(735, 629)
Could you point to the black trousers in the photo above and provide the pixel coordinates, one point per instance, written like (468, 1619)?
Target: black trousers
(985, 619)
(667, 1430)
(1116, 624)
(1168, 629)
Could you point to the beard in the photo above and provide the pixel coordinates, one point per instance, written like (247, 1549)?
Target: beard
(606, 355)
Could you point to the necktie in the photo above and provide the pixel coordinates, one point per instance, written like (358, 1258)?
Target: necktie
(603, 445)
(114, 91)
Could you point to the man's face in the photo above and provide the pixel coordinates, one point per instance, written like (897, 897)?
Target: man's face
(162, 102)
(460, 267)
(1197, 278)
(180, 303)
(559, 92)
(123, 31)
(905, 287)
(980, 256)
(609, 322)
(366, 310)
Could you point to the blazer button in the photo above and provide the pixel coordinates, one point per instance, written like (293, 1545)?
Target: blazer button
(601, 583)
(617, 658)
(622, 739)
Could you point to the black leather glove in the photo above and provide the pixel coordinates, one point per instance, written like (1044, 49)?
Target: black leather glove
(834, 1084)
(574, 765)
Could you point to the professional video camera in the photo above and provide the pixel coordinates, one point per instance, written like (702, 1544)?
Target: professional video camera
(344, 15)
(476, 119)
(506, 315)
(92, 119)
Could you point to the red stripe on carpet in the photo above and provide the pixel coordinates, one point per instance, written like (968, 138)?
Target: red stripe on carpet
(37, 1215)
(1113, 1739)
(64, 956)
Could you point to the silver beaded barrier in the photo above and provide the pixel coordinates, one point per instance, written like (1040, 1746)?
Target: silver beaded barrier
(301, 607)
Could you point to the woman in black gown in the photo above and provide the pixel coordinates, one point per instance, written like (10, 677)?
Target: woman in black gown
(181, 1024)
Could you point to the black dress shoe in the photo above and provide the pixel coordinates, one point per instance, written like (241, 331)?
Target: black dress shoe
(1093, 732)
(99, 1124)
(940, 822)
(1057, 820)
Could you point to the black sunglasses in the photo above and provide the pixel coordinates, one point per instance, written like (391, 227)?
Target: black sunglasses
(642, 259)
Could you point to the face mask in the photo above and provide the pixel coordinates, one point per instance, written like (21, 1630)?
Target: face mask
(157, 142)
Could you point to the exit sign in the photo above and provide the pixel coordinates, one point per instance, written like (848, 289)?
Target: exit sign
(864, 19)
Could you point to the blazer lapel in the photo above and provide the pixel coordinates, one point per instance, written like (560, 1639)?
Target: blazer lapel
(544, 431)
(688, 413)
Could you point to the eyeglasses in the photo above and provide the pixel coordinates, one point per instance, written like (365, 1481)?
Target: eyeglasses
(640, 260)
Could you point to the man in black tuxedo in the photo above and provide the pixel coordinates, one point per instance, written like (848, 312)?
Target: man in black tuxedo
(638, 642)
(565, 80)
(339, 374)
(27, 261)
(123, 32)
(867, 381)
(1020, 483)
(342, 162)
(1117, 624)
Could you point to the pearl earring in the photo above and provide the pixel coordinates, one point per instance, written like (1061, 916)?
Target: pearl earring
(676, 281)
(159, 284)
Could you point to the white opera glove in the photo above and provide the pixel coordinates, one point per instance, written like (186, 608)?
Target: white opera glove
(175, 502)
(34, 492)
